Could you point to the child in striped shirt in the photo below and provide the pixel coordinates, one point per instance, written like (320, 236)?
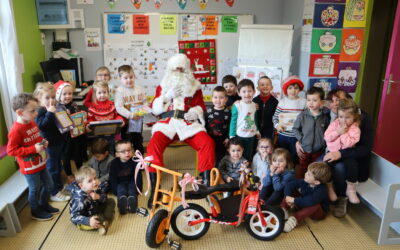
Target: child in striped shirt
(289, 107)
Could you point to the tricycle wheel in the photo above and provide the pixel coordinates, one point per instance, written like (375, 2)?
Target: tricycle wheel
(182, 216)
(157, 228)
(273, 217)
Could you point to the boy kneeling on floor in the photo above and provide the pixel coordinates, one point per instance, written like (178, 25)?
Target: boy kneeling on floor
(313, 201)
(89, 207)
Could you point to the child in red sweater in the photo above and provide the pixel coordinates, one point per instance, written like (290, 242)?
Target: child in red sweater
(26, 144)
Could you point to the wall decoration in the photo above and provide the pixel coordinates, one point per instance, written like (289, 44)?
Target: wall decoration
(167, 24)
(92, 39)
(203, 4)
(116, 23)
(323, 65)
(203, 60)
(157, 3)
(209, 25)
(348, 76)
(230, 2)
(327, 84)
(111, 3)
(352, 43)
(182, 3)
(326, 41)
(136, 3)
(229, 24)
(140, 24)
(189, 27)
(355, 13)
(328, 16)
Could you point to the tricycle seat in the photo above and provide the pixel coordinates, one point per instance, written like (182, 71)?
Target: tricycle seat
(203, 191)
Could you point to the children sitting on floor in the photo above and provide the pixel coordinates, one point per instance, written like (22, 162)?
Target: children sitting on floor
(262, 159)
(122, 177)
(278, 175)
(313, 200)
(89, 207)
(101, 159)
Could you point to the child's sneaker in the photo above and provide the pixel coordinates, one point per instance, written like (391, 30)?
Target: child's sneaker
(104, 228)
(290, 224)
(122, 204)
(132, 204)
(41, 215)
(60, 197)
(51, 210)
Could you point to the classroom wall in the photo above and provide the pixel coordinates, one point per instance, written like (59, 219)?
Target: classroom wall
(29, 42)
(264, 11)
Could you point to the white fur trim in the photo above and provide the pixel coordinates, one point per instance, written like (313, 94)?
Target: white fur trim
(158, 106)
(178, 126)
(60, 89)
(199, 111)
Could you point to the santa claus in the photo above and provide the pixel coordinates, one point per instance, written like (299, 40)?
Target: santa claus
(179, 104)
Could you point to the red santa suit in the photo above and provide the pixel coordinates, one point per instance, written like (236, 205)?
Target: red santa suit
(172, 125)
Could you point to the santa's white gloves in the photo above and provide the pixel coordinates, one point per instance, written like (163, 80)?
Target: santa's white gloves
(174, 92)
(190, 116)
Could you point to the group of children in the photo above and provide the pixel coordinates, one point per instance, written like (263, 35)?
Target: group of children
(236, 121)
(306, 130)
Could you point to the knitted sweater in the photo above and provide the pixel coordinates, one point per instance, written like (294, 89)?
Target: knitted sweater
(126, 98)
(21, 144)
(103, 111)
(286, 114)
(102, 167)
(229, 169)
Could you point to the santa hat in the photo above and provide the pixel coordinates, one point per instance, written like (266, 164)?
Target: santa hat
(59, 86)
(178, 61)
(290, 81)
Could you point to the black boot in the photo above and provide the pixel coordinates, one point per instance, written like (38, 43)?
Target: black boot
(153, 181)
(206, 177)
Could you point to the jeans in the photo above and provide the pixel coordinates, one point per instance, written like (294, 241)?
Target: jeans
(54, 167)
(288, 143)
(39, 185)
(270, 196)
(128, 188)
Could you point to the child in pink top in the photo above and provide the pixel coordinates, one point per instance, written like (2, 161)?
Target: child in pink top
(342, 133)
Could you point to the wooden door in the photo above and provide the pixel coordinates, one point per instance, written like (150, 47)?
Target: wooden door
(387, 137)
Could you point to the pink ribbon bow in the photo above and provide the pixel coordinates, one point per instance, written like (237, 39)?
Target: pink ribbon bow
(187, 178)
(243, 171)
(142, 163)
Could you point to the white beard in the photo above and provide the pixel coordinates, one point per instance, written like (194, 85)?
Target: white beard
(178, 79)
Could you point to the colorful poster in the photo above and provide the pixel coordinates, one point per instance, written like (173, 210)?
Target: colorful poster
(92, 39)
(328, 16)
(348, 76)
(327, 84)
(167, 24)
(352, 44)
(355, 14)
(203, 59)
(323, 65)
(209, 25)
(140, 24)
(326, 41)
(229, 24)
(189, 27)
(116, 23)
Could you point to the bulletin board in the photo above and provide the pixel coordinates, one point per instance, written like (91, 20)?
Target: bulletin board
(153, 40)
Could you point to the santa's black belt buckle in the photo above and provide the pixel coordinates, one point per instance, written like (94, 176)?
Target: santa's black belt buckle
(177, 114)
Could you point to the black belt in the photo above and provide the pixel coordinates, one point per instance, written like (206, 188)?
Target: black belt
(177, 114)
